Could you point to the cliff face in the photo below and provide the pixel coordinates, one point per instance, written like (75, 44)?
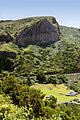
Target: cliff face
(42, 32)
(35, 30)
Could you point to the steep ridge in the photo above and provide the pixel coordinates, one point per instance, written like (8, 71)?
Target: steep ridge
(35, 30)
(43, 32)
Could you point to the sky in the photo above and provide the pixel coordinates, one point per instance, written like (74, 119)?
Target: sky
(67, 12)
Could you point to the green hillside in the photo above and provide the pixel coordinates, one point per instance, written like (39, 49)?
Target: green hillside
(70, 34)
(29, 74)
(59, 57)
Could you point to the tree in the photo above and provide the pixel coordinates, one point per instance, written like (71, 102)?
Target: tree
(51, 102)
(10, 86)
(31, 98)
(41, 77)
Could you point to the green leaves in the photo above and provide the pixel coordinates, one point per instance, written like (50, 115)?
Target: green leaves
(41, 77)
(9, 111)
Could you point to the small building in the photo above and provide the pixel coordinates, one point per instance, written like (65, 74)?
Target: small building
(72, 93)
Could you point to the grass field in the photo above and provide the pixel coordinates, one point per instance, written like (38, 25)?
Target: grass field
(58, 91)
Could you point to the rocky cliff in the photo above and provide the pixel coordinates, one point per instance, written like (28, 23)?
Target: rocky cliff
(35, 30)
(40, 33)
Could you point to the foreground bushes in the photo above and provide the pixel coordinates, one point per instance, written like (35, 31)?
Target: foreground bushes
(30, 103)
(23, 95)
(9, 111)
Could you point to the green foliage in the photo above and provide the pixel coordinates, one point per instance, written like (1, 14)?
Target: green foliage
(9, 47)
(0, 86)
(31, 103)
(75, 85)
(9, 111)
(41, 77)
(72, 35)
(68, 112)
(48, 113)
(57, 79)
(51, 102)
(10, 86)
(6, 64)
(64, 58)
(53, 80)
(41, 63)
(67, 57)
(31, 98)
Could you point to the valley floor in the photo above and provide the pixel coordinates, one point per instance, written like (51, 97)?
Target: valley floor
(58, 91)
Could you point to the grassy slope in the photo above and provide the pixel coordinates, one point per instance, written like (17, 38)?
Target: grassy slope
(58, 91)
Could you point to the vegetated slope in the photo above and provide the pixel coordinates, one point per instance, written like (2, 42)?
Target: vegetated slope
(70, 34)
(40, 61)
(60, 57)
(31, 103)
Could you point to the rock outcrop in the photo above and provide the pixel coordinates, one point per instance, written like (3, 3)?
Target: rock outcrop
(40, 33)
(4, 54)
(7, 38)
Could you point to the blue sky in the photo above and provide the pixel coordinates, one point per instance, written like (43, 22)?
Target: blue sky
(67, 12)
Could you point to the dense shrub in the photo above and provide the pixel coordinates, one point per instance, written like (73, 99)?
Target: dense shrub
(57, 79)
(9, 111)
(41, 77)
(10, 86)
(6, 64)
